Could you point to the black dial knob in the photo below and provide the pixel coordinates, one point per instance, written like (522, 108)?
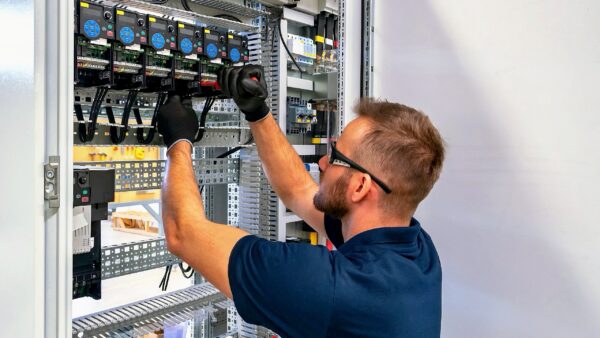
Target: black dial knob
(82, 179)
(141, 22)
(244, 43)
(107, 15)
(221, 39)
(171, 28)
(198, 34)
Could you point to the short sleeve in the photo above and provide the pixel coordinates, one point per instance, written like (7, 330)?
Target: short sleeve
(286, 287)
(333, 228)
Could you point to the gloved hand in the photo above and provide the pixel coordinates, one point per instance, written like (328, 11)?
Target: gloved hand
(177, 121)
(247, 86)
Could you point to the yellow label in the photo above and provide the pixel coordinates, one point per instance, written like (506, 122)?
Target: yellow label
(152, 19)
(207, 31)
(316, 140)
(319, 38)
(181, 25)
(230, 36)
(313, 238)
(84, 4)
(120, 12)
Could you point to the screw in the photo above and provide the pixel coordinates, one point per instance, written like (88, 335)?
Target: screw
(50, 174)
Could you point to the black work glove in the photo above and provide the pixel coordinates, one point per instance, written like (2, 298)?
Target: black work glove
(177, 121)
(247, 86)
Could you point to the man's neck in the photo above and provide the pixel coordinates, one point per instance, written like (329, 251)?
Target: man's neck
(356, 223)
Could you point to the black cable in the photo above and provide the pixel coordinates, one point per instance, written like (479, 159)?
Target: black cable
(230, 152)
(227, 17)
(287, 49)
(164, 283)
(164, 279)
(118, 134)
(168, 278)
(139, 133)
(207, 105)
(186, 6)
(87, 130)
(186, 270)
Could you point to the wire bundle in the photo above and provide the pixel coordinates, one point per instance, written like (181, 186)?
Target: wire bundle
(207, 105)
(87, 130)
(118, 134)
(139, 133)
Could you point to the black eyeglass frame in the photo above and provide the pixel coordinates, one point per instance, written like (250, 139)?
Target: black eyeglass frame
(337, 158)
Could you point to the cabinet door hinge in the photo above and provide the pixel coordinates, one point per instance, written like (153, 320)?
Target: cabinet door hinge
(52, 181)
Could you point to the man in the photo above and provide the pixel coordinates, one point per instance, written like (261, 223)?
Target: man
(384, 280)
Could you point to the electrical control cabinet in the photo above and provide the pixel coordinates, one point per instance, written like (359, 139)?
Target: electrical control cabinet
(128, 57)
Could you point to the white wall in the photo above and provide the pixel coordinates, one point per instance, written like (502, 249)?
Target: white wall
(514, 87)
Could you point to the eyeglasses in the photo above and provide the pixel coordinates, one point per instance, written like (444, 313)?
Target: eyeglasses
(337, 158)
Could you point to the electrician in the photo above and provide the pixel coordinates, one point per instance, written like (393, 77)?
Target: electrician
(384, 279)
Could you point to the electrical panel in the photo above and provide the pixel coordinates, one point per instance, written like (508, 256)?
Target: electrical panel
(129, 56)
(93, 189)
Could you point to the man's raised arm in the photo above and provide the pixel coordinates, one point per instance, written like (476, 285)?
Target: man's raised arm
(205, 245)
(282, 165)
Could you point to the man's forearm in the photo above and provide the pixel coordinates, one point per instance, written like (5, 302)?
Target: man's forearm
(281, 163)
(205, 245)
(181, 203)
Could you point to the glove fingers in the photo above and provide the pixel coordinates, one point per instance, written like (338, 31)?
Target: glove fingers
(222, 78)
(252, 87)
(232, 80)
(187, 103)
(252, 71)
(253, 81)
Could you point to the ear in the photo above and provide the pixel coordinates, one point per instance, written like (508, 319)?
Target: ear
(360, 185)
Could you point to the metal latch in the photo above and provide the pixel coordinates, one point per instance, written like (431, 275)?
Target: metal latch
(52, 181)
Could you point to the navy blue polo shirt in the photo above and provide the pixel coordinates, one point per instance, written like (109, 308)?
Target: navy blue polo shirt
(384, 282)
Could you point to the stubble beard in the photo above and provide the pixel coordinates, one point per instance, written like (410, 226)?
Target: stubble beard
(332, 200)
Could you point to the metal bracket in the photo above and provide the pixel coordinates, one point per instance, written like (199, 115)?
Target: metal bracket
(52, 181)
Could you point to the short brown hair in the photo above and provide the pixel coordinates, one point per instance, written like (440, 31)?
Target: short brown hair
(405, 147)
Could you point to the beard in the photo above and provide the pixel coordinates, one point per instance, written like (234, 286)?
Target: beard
(332, 200)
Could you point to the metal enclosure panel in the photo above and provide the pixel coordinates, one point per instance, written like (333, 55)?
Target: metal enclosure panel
(55, 24)
(21, 190)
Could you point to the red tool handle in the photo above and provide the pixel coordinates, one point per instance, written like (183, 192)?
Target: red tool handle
(254, 78)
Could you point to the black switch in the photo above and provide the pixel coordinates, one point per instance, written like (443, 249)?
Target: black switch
(82, 179)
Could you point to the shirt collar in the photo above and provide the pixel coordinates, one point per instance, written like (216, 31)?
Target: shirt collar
(384, 235)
